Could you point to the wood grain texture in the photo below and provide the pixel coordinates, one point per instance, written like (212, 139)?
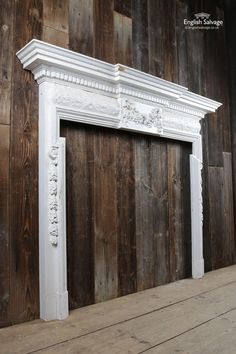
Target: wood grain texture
(175, 210)
(104, 30)
(105, 215)
(6, 48)
(230, 8)
(144, 214)
(123, 39)
(80, 244)
(55, 22)
(55, 14)
(81, 26)
(229, 255)
(140, 35)
(159, 188)
(4, 223)
(213, 78)
(127, 269)
(181, 43)
(156, 32)
(53, 36)
(216, 182)
(24, 298)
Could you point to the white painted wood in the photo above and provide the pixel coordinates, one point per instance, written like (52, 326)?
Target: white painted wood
(75, 87)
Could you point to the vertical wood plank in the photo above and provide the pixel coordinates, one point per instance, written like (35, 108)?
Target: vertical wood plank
(207, 242)
(6, 48)
(104, 30)
(55, 14)
(144, 214)
(216, 181)
(24, 301)
(80, 236)
(105, 215)
(175, 211)
(123, 39)
(4, 224)
(212, 90)
(160, 210)
(230, 8)
(127, 272)
(181, 43)
(224, 83)
(140, 35)
(162, 39)
(55, 22)
(195, 50)
(156, 38)
(229, 232)
(170, 50)
(81, 26)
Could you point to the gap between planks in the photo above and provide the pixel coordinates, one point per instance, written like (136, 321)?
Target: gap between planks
(146, 314)
(187, 331)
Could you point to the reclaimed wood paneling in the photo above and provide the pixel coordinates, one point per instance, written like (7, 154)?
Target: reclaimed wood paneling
(230, 8)
(156, 38)
(55, 14)
(216, 181)
(228, 210)
(104, 30)
(214, 121)
(127, 205)
(4, 224)
(80, 244)
(159, 188)
(127, 270)
(140, 35)
(175, 209)
(55, 22)
(105, 215)
(181, 43)
(123, 39)
(24, 297)
(6, 48)
(144, 214)
(81, 26)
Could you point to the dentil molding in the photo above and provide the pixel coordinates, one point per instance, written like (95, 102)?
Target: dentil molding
(79, 88)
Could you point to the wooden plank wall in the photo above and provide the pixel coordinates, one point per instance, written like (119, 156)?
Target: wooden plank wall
(129, 227)
(230, 10)
(146, 34)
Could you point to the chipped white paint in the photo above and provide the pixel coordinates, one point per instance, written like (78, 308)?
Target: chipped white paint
(82, 89)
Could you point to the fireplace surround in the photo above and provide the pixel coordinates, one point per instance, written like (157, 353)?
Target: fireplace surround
(79, 88)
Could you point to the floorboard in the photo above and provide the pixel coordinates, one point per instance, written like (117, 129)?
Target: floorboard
(188, 316)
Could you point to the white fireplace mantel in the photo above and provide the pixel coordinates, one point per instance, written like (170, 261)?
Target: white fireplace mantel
(79, 88)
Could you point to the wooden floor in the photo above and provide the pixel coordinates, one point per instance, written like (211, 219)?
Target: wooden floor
(189, 316)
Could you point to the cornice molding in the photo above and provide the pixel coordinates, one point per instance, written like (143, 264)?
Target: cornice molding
(47, 61)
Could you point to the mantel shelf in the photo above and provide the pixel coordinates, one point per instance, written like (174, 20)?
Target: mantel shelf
(49, 61)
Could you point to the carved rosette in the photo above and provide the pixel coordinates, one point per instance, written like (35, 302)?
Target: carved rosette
(131, 116)
(53, 195)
